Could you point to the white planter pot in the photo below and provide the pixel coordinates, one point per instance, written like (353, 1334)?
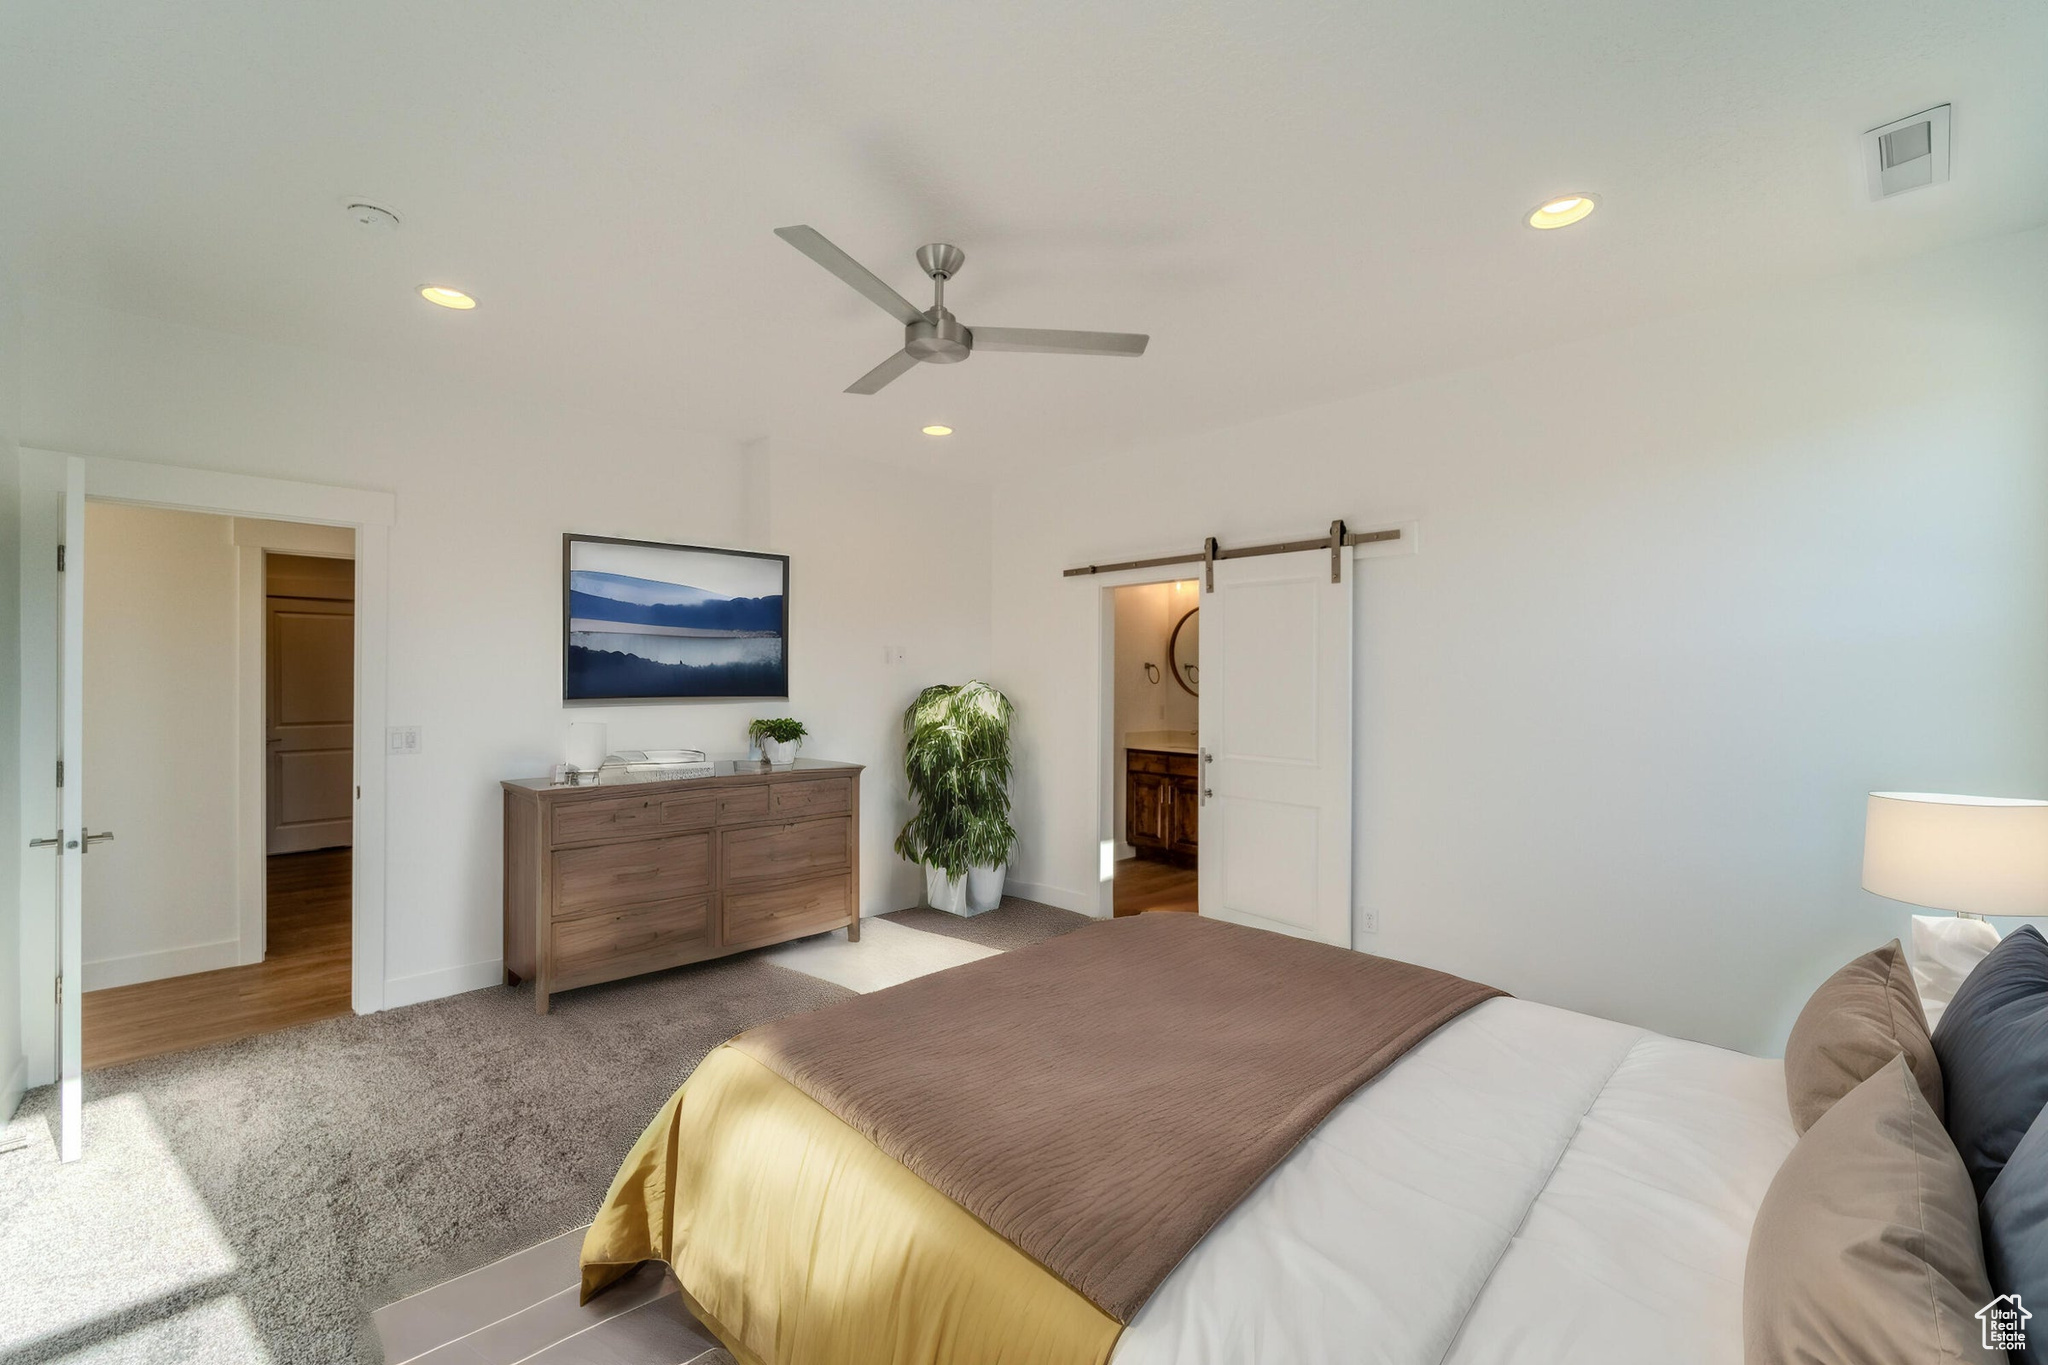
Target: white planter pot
(945, 893)
(782, 751)
(985, 887)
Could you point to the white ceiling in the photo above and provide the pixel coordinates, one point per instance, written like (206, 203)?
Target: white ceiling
(1299, 201)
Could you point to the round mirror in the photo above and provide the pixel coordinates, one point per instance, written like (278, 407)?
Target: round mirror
(1184, 650)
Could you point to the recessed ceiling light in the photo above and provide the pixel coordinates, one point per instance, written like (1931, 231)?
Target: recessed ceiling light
(937, 430)
(446, 297)
(1562, 211)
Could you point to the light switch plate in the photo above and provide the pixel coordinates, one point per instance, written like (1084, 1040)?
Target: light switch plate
(402, 739)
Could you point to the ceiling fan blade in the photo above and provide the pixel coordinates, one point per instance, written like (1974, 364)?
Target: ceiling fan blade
(1058, 342)
(813, 244)
(874, 380)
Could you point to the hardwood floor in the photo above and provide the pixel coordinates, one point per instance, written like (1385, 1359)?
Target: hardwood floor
(304, 977)
(1142, 885)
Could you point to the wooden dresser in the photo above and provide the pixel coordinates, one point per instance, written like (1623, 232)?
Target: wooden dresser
(1162, 803)
(629, 874)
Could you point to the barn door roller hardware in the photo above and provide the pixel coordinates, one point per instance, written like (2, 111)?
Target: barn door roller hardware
(1213, 550)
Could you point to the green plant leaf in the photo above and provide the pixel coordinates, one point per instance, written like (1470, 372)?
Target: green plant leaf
(956, 760)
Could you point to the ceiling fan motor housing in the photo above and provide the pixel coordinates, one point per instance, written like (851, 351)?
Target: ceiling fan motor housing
(943, 342)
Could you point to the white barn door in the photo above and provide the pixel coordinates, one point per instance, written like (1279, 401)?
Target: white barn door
(1275, 708)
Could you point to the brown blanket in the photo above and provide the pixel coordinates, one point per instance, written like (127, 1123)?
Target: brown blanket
(1101, 1099)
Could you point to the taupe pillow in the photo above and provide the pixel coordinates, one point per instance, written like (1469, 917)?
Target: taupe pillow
(1860, 1018)
(1865, 1248)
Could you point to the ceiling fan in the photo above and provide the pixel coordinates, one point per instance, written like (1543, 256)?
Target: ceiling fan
(934, 335)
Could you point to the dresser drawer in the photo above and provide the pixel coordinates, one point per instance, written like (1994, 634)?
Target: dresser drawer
(624, 874)
(773, 913)
(786, 850)
(646, 938)
(748, 803)
(833, 796)
(581, 822)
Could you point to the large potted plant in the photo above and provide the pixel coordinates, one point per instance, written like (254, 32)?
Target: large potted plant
(956, 757)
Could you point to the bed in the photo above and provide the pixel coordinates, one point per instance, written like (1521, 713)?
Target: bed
(1507, 1181)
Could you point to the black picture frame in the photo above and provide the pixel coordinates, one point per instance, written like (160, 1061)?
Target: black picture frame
(631, 678)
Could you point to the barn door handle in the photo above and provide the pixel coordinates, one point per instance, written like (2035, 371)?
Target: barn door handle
(1207, 759)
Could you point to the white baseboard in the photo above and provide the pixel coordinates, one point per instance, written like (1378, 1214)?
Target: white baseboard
(12, 1087)
(1081, 902)
(126, 971)
(471, 976)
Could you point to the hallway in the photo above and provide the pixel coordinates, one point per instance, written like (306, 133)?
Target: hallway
(303, 977)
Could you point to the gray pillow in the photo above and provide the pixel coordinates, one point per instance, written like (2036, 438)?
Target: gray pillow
(2015, 1226)
(1993, 1046)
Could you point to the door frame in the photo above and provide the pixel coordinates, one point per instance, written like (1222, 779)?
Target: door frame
(1108, 784)
(1109, 778)
(371, 514)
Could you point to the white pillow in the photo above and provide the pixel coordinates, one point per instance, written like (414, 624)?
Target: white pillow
(1945, 948)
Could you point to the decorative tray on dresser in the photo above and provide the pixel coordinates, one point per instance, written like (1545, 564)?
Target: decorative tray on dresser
(632, 872)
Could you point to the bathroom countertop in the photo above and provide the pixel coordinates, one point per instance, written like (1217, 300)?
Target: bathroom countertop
(1163, 741)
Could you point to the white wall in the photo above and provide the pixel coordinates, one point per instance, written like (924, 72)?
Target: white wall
(161, 749)
(486, 483)
(1146, 614)
(14, 969)
(1683, 595)
(892, 560)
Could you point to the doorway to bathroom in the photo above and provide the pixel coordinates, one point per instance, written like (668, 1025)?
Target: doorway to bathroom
(1157, 749)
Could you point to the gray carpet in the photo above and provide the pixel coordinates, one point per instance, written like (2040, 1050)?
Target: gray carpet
(255, 1201)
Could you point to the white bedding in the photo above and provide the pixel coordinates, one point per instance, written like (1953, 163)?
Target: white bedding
(1526, 1185)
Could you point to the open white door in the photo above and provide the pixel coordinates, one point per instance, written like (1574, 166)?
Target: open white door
(1276, 745)
(71, 808)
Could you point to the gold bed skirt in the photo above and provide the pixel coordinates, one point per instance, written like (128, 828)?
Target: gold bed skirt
(799, 1242)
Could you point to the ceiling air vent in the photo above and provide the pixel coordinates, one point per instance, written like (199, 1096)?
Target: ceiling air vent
(1908, 154)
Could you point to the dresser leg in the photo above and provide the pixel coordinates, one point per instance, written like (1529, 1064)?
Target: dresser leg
(540, 999)
(511, 977)
(853, 930)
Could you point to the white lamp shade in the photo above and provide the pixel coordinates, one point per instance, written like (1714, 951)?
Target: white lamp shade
(1984, 855)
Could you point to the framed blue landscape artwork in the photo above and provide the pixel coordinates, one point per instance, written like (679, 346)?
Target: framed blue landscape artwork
(644, 621)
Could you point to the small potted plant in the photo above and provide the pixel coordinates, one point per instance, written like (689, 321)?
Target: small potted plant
(778, 738)
(957, 761)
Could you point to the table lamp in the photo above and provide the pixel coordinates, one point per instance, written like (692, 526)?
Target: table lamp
(1975, 855)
